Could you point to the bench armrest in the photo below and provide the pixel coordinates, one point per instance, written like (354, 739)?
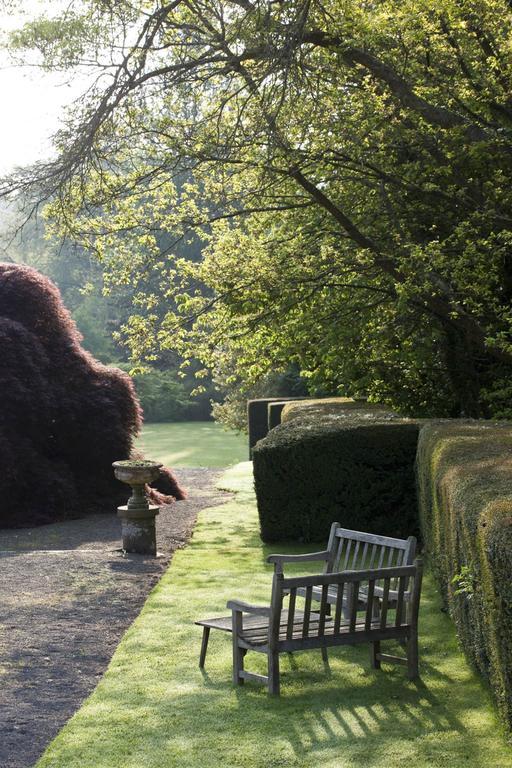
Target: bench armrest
(239, 605)
(278, 560)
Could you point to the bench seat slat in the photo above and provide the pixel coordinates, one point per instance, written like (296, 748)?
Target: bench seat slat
(254, 637)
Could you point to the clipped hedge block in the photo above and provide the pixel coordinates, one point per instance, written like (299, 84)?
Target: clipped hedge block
(357, 471)
(465, 499)
(330, 406)
(257, 418)
(274, 411)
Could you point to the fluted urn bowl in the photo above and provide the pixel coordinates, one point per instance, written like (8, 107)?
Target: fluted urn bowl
(136, 472)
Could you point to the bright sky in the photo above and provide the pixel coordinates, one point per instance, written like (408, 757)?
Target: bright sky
(31, 101)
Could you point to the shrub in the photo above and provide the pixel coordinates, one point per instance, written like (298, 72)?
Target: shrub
(465, 499)
(65, 417)
(358, 470)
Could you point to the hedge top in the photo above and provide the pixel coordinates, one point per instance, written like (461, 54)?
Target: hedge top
(325, 426)
(336, 406)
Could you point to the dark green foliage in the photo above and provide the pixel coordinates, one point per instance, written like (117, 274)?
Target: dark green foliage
(162, 396)
(465, 497)
(165, 397)
(359, 471)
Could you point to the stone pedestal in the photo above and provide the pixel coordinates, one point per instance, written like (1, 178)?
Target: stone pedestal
(138, 529)
(138, 516)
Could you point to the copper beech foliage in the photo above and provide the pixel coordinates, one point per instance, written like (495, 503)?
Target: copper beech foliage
(64, 417)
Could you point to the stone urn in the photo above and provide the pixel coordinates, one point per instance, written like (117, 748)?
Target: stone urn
(138, 516)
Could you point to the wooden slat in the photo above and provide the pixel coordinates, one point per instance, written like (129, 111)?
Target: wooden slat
(329, 634)
(354, 558)
(307, 612)
(400, 601)
(384, 604)
(381, 557)
(373, 538)
(352, 606)
(261, 632)
(344, 638)
(323, 609)
(339, 607)
(364, 554)
(291, 612)
(391, 556)
(391, 659)
(369, 605)
(348, 576)
(372, 555)
(253, 677)
(339, 550)
(347, 554)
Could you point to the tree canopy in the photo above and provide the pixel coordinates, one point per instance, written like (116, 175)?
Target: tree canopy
(344, 167)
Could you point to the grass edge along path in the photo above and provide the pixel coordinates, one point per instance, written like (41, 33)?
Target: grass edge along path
(155, 709)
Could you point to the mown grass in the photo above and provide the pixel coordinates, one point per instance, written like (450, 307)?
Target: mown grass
(155, 709)
(193, 444)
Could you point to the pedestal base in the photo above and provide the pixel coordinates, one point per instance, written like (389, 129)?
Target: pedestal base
(138, 530)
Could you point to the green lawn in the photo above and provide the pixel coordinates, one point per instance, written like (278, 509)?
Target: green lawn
(193, 444)
(155, 709)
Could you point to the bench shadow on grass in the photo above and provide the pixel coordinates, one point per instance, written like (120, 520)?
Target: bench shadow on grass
(384, 714)
(349, 706)
(347, 702)
(347, 713)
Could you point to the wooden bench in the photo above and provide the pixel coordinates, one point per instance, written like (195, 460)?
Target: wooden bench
(354, 550)
(346, 549)
(280, 631)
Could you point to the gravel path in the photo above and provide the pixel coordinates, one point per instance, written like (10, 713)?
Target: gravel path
(67, 595)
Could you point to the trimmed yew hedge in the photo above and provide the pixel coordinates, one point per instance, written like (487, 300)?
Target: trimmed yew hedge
(358, 470)
(465, 500)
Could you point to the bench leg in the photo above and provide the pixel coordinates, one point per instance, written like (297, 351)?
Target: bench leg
(238, 653)
(374, 652)
(412, 656)
(204, 646)
(273, 673)
(325, 657)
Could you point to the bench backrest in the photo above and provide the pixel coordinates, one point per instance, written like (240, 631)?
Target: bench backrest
(356, 550)
(310, 628)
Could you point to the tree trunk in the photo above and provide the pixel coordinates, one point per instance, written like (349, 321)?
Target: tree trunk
(463, 371)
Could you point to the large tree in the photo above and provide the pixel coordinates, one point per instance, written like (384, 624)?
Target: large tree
(347, 166)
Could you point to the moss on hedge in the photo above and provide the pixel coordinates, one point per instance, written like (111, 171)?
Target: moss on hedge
(358, 470)
(465, 499)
